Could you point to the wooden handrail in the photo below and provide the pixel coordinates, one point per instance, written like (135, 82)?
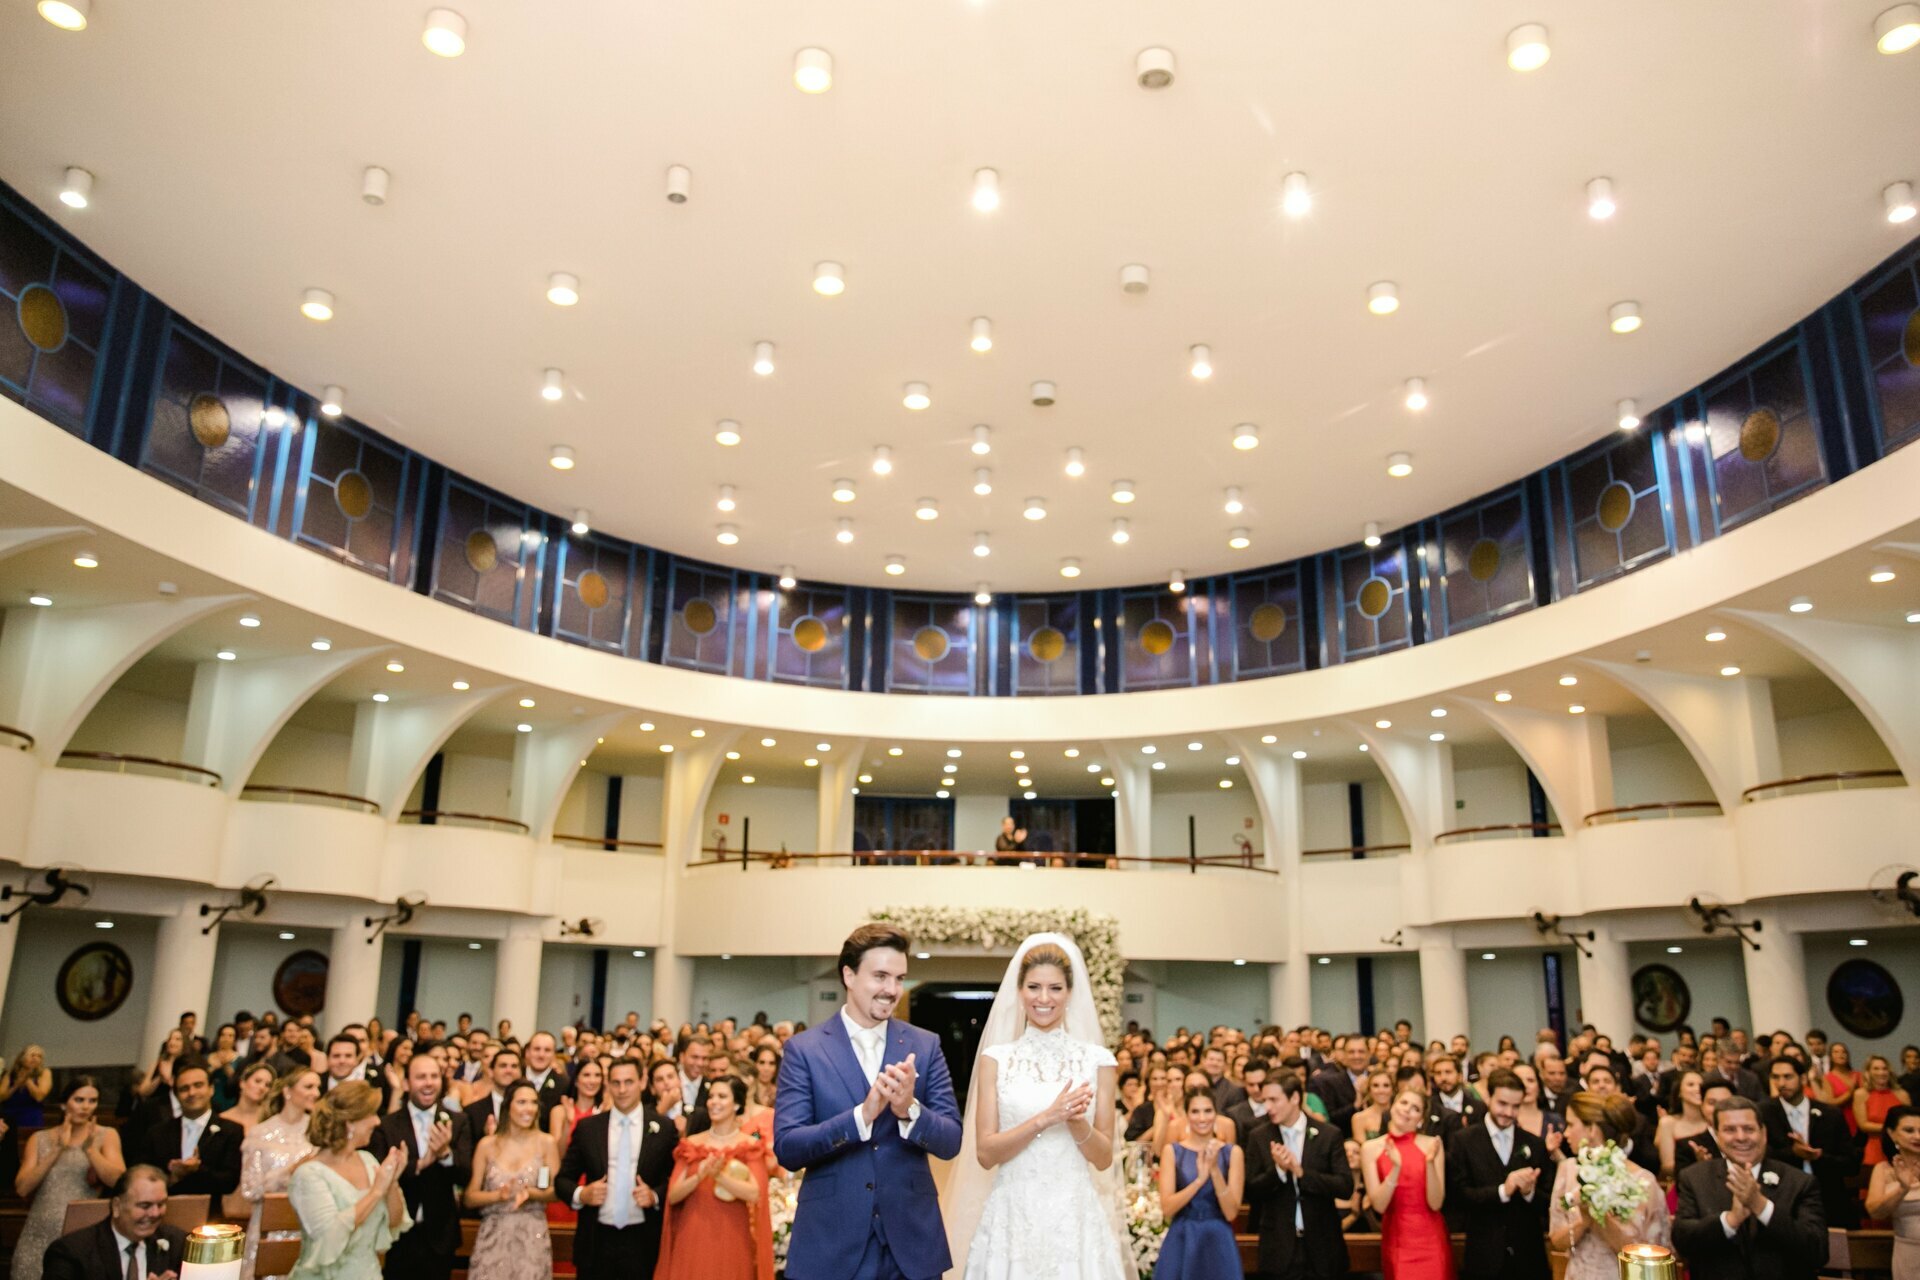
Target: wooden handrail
(1498, 826)
(436, 814)
(1361, 849)
(1843, 775)
(1666, 805)
(372, 806)
(114, 757)
(21, 737)
(971, 857)
(604, 843)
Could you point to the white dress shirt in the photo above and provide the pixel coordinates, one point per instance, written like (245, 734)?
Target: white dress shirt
(1455, 1102)
(1799, 1117)
(1764, 1217)
(423, 1131)
(190, 1131)
(1503, 1147)
(689, 1090)
(622, 1170)
(1295, 1136)
(870, 1047)
(121, 1244)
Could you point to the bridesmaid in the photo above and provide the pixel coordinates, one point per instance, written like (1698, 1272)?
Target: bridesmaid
(587, 1096)
(512, 1182)
(273, 1147)
(1406, 1184)
(1202, 1178)
(718, 1224)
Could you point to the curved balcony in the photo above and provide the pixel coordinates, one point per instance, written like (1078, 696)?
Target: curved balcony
(167, 821)
(785, 860)
(1498, 873)
(308, 847)
(1653, 811)
(19, 777)
(312, 796)
(1359, 851)
(147, 766)
(1498, 831)
(1808, 783)
(1824, 841)
(1352, 904)
(621, 886)
(19, 739)
(1620, 866)
(488, 868)
(456, 818)
(608, 846)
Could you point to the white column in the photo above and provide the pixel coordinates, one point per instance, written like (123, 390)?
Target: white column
(1606, 983)
(1132, 803)
(9, 938)
(1443, 988)
(182, 974)
(689, 780)
(237, 708)
(353, 976)
(1277, 792)
(1776, 975)
(516, 976)
(833, 829)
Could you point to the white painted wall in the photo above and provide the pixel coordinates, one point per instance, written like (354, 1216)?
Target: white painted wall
(1656, 772)
(243, 967)
(1199, 995)
(476, 784)
(1829, 742)
(1490, 795)
(1219, 817)
(1326, 819)
(301, 757)
(566, 985)
(746, 985)
(32, 1014)
(787, 816)
(1898, 951)
(1335, 992)
(640, 807)
(133, 724)
(1715, 975)
(976, 819)
(583, 812)
(454, 979)
(1507, 995)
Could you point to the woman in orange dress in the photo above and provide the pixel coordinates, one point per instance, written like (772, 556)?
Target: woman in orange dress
(718, 1226)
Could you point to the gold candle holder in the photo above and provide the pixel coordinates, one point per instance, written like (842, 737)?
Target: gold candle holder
(1648, 1262)
(214, 1252)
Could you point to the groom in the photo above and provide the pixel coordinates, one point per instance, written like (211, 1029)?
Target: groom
(863, 1101)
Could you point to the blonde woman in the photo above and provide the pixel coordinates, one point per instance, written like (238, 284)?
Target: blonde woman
(349, 1204)
(272, 1149)
(1371, 1120)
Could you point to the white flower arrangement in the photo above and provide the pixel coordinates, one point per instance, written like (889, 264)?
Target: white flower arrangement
(1608, 1186)
(1140, 1200)
(989, 927)
(783, 1198)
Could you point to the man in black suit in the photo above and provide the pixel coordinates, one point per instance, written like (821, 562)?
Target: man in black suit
(546, 1077)
(693, 1086)
(1498, 1179)
(1213, 1065)
(1247, 1112)
(479, 1117)
(425, 1129)
(132, 1239)
(1554, 1090)
(1812, 1138)
(616, 1177)
(1451, 1106)
(1296, 1175)
(1340, 1082)
(1743, 1216)
(201, 1151)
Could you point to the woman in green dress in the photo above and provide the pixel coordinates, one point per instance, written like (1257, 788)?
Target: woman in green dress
(349, 1204)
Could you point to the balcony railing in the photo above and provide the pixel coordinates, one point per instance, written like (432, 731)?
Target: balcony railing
(784, 860)
(1653, 811)
(1358, 851)
(1498, 831)
(114, 762)
(309, 795)
(609, 846)
(13, 737)
(1839, 781)
(456, 818)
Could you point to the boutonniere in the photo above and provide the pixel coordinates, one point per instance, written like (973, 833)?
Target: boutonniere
(213, 1128)
(1526, 1152)
(653, 1126)
(1312, 1132)
(1770, 1178)
(1817, 1111)
(162, 1243)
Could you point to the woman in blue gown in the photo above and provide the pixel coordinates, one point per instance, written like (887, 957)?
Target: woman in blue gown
(1201, 1180)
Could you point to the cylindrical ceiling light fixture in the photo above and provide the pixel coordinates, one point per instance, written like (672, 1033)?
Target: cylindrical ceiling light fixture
(1623, 317)
(1296, 197)
(1122, 492)
(763, 358)
(373, 185)
(1383, 297)
(1370, 533)
(316, 304)
(986, 190)
(843, 491)
(982, 545)
(982, 338)
(726, 433)
(76, 189)
(553, 384)
(829, 279)
(1122, 531)
(1246, 436)
(1035, 509)
(563, 289)
(1527, 48)
(1416, 394)
(982, 481)
(679, 183)
(882, 460)
(813, 71)
(1628, 415)
(1200, 361)
(916, 396)
(1234, 504)
(445, 33)
(1898, 198)
(982, 440)
(1076, 465)
(1600, 205)
(333, 400)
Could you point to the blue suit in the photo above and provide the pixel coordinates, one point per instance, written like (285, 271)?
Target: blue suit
(860, 1200)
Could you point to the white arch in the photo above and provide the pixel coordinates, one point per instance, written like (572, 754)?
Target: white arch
(237, 708)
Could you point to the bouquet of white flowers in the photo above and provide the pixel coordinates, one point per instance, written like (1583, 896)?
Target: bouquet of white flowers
(783, 1197)
(1608, 1186)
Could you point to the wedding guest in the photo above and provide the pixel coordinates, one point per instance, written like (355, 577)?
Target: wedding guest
(1406, 1173)
(692, 1107)
(1369, 1121)
(132, 1240)
(512, 1181)
(154, 1100)
(1872, 1100)
(220, 1060)
(1146, 1124)
(1223, 1128)
(1840, 1083)
(552, 1083)
(1213, 1065)
(1297, 1176)
(1494, 1177)
(1893, 1192)
(1685, 1123)
(202, 1154)
(614, 1174)
(423, 1131)
(663, 1092)
(393, 1072)
(481, 1115)
(1339, 1084)
(1743, 1216)
(1202, 1177)
(271, 1149)
(717, 1223)
(349, 1204)
(70, 1161)
(587, 1096)
(1813, 1138)
(1817, 1060)
(1554, 1090)
(1593, 1243)
(251, 1087)
(1450, 1092)
(766, 1075)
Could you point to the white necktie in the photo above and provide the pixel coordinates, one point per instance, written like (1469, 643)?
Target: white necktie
(1296, 1144)
(1503, 1144)
(620, 1182)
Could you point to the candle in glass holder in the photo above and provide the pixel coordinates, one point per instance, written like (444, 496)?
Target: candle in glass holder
(1641, 1262)
(214, 1252)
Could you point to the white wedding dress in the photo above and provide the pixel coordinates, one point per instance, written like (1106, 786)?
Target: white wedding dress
(1047, 1214)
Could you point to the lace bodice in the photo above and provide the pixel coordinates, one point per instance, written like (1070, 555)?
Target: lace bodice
(1030, 1072)
(268, 1154)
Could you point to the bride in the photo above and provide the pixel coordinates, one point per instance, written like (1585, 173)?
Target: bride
(1034, 1192)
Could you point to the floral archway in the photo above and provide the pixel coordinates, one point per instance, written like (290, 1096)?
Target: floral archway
(992, 927)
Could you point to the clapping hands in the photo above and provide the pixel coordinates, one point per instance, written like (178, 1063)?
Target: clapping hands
(892, 1089)
(1070, 1104)
(1283, 1159)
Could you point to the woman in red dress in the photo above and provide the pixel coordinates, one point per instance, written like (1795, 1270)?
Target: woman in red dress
(586, 1097)
(1406, 1182)
(718, 1225)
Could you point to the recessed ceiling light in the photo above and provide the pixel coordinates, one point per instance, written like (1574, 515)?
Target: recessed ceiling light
(1093, 768)
(1246, 435)
(953, 753)
(1200, 361)
(982, 546)
(865, 778)
(1627, 415)
(1527, 47)
(1296, 197)
(1576, 710)
(1134, 278)
(666, 748)
(942, 794)
(1383, 724)
(1030, 795)
(823, 746)
(1436, 737)
(226, 655)
(1177, 581)
(1122, 532)
(527, 703)
(446, 33)
(1269, 738)
(1894, 31)
(843, 531)
(1600, 205)
(766, 742)
(381, 697)
(1856, 942)
(1881, 573)
(316, 304)
(333, 401)
(1239, 539)
(1502, 695)
(1365, 747)
(68, 15)
(896, 565)
(521, 728)
(1568, 681)
(76, 189)
(396, 666)
(1122, 492)
(461, 686)
(646, 726)
(1148, 749)
(726, 535)
(1715, 636)
(1416, 394)
(1399, 465)
(1071, 753)
(1623, 317)
(829, 279)
(248, 620)
(1153, 68)
(1914, 616)
(1233, 505)
(1383, 297)
(103, 924)
(1299, 755)
(1035, 509)
(86, 560)
(763, 358)
(986, 190)
(553, 385)
(1729, 671)
(560, 458)
(563, 289)
(731, 755)
(1800, 604)
(1233, 760)
(982, 443)
(1016, 754)
(1674, 951)
(813, 71)
(1438, 713)
(916, 396)
(882, 460)
(1159, 764)
(811, 763)
(320, 644)
(1076, 464)
(1196, 746)
(1022, 769)
(726, 501)
(1069, 568)
(1226, 784)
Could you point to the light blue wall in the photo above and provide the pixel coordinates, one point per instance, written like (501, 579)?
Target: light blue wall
(1898, 951)
(746, 985)
(34, 1016)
